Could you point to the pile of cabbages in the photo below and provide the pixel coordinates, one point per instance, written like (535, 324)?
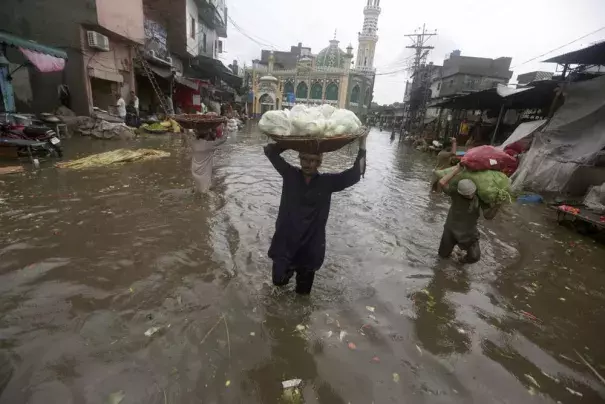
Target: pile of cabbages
(317, 121)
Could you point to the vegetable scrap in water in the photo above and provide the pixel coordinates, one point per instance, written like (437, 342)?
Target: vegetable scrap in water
(575, 393)
(528, 315)
(288, 384)
(352, 346)
(228, 383)
(370, 309)
(396, 377)
(151, 331)
(119, 156)
(532, 380)
(116, 397)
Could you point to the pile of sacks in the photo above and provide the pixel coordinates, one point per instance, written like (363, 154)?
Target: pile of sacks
(487, 167)
(319, 121)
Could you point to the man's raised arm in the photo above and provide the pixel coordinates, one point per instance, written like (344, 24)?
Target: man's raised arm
(273, 153)
(352, 176)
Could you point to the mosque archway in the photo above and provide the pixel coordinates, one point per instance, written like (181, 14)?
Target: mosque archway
(302, 90)
(316, 91)
(355, 94)
(332, 92)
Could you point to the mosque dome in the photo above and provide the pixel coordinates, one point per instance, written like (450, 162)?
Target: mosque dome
(332, 56)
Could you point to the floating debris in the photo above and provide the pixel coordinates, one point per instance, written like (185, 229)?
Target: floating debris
(352, 346)
(114, 157)
(289, 384)
(253, 334)
(372, 317)
(371, 309)
(329, 334)
(342, 335)
(532, 380)
(300, 328)
(554, 379)
(419, 350)
(228, 383)
(116, 397)
(375, 359)
(575, 393)
(461, 331)
(396, 377)
(152, 331)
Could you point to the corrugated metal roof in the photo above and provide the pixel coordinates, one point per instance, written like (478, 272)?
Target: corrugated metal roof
(592, 55)
(18, 42)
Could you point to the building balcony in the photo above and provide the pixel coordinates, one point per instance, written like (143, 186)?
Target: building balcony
(214, 14)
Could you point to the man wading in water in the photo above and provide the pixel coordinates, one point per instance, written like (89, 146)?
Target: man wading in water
(461, 224)
(299, 242)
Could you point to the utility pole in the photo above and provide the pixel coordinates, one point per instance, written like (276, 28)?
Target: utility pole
(420, 83)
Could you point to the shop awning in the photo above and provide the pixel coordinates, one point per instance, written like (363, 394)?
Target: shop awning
(592, 55)
(186, 82)
(44, 58)
(17, 42)
(204, 67)
(539, 95)
(163, 72)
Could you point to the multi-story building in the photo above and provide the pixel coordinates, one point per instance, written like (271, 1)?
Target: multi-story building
(283, 79)
(465, 74)
(103, 40)
(98, 36)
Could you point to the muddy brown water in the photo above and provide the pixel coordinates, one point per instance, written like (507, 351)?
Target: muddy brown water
(91, 260)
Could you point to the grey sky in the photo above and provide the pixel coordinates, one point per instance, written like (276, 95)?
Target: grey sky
(521, 29)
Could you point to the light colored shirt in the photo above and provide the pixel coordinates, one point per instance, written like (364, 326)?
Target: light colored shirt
(201, 162)
(121, 104)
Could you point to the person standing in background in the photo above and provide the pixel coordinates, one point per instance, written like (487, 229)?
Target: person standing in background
(121, 106)
(444, 158)
(135, 101)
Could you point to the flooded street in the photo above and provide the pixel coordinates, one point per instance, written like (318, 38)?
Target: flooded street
(91, 260)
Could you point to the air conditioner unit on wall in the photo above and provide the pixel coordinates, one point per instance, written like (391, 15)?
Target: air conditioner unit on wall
(97, 41)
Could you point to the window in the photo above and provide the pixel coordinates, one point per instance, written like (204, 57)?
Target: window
(219, 46)
(452, 83)
(204, 45)
(193, 27)
(438, 86)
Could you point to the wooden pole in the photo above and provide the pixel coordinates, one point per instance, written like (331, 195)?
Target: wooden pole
(497, 124)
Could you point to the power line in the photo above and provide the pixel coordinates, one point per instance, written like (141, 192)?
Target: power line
(249, 36)
(560, 47)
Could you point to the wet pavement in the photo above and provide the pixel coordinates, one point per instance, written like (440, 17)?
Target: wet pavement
(91, 260)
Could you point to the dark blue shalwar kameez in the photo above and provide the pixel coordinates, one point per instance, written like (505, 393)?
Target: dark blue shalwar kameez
(299, 242)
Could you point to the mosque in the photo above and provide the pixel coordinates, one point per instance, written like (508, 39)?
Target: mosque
(282, 79)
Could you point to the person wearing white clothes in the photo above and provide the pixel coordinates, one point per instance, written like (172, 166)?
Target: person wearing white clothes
(121, 106)
(135, 100)
(201, 162)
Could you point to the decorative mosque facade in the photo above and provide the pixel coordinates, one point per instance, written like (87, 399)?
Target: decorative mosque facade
(330, 77)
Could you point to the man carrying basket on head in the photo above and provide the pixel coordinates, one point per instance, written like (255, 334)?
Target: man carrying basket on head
(299, 242)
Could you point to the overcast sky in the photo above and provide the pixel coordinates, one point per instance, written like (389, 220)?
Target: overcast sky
(521, 29)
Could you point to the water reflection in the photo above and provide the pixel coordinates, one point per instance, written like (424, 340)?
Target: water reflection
(90, 260)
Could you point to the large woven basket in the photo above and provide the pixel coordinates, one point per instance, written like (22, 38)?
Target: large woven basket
(316, 145)
(199, 122)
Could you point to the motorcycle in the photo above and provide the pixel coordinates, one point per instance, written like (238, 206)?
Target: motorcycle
(39, 140)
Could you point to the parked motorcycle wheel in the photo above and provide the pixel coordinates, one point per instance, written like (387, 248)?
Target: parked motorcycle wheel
(58, 149)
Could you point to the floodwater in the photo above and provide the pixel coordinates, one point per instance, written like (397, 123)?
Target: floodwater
(91, 260)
